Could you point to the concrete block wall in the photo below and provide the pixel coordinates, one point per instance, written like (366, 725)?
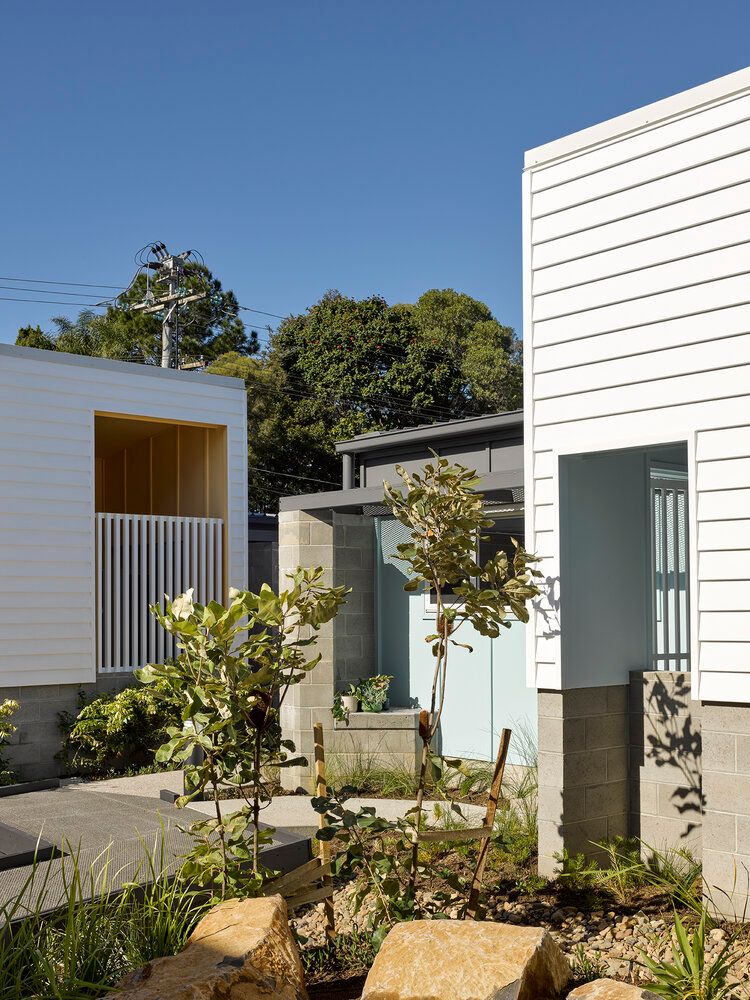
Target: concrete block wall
(666, 795)
(33, 747)
(726, 818)
(388, 739)
(343, 544)
(583, 770)
(307, 540)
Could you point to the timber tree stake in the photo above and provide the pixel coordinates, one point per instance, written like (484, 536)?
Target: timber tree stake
(321, 790)
(472, 907)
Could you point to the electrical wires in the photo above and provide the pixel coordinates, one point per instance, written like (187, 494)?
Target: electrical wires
(148, 259)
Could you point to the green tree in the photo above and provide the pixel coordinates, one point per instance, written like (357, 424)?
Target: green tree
(444, 514)
(349, 366)
(486, 355)
(34, 336)
(207, 329)
(290, 440)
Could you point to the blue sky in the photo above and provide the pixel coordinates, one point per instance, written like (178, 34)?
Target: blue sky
(301, 146)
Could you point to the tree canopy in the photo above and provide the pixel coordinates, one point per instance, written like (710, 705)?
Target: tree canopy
(208, 329)
(348, 366)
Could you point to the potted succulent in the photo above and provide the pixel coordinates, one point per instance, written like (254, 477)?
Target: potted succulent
(373, 692)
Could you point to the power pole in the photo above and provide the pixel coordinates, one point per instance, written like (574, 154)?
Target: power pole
(170, 270)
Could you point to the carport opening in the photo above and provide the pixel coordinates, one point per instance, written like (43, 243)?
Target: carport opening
(624, 563)
(159, 468)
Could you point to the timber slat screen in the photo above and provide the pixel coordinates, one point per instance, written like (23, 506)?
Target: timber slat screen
(139, 559)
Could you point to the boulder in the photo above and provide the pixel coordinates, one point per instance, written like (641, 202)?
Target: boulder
(466, 960)
(610, 989)
(242, 949)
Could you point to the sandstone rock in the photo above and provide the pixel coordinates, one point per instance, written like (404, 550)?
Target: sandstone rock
(241, 950)
(610, 989)
(466, 960)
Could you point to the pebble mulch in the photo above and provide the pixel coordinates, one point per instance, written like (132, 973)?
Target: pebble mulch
(611, 941)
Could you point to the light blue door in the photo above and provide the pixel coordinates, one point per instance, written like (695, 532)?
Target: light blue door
(485, 689)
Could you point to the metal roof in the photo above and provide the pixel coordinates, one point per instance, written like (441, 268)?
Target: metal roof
(466, 427)
(121, 367)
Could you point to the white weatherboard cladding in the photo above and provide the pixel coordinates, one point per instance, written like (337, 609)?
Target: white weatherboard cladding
(47, 407)
(637, 333)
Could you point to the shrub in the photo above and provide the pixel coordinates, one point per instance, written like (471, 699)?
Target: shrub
(375, 853)
(371, 773)
(688, 975)
(676, 872)
(577, 872)
(228, 685)
(625, 873)
(8, 709)
(115, 732)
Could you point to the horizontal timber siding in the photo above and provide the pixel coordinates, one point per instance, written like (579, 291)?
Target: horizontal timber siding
(637, 332)
(47, 407)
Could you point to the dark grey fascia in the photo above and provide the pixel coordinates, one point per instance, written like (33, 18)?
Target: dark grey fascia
(343, 500)
(466, 428)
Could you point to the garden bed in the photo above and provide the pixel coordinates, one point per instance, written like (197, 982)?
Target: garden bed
(600, 935)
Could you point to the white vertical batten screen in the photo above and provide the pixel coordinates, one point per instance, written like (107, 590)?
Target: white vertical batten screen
(139, 559)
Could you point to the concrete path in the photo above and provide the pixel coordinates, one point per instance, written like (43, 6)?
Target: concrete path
(292, 812)
(118, 816)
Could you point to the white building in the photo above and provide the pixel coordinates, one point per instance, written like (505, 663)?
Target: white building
(637, 438)
(118, 483)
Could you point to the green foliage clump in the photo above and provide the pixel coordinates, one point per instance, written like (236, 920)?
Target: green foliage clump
(345, 956)
(630, 866)
(8, 709)
(623, 875)
(228, 685)
(373, 692)
(689, 976)
(117, 732)
(678, 873)
(375, 853)
(585, 968)
(75, 936)
(370, 774)
(577, 872)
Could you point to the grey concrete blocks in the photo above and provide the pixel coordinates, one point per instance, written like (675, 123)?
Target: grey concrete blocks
(583, 770)
(605, 731)
(726, 789)
(720, 751)
(665, 760)
(720, 831)
(727, 792)
(344, 544)
(726, 718)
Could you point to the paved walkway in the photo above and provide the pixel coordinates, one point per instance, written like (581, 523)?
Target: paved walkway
(110, 821)
(292, 812)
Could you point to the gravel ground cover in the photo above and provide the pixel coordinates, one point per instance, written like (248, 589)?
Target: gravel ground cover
(605, 941)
